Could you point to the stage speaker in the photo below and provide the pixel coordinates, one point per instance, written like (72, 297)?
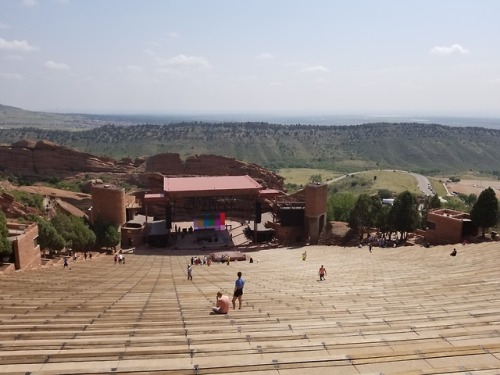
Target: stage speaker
(258, 212)
(168, 217)
(292, 216)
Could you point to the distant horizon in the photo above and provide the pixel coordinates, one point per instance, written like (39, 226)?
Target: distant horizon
(296, 117)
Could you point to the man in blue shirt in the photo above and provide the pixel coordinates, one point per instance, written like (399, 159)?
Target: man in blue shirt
(238, 291)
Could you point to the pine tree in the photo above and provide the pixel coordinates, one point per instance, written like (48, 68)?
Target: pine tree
(5, 245)
(484, 213)
(404, 215)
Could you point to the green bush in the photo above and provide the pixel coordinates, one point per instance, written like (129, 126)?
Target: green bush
(28, 199)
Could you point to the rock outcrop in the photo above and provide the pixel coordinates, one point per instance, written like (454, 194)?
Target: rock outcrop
(43, 158)
(46, 159)
(13, 209)
(211, 165)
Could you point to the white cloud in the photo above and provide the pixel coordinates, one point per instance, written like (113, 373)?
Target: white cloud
(314, 69)
(4, 26)
(264, 56)
(173, 35)
(182, 61)
(11, 76)
(55, 65)
(453, 49)
(16, 45)
(30, 3)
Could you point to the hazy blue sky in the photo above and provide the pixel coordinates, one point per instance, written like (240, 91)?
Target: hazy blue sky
(425, 57)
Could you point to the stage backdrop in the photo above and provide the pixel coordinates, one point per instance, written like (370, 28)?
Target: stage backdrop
(210, 221)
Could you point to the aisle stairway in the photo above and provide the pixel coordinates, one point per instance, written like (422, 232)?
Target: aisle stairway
(394, 311)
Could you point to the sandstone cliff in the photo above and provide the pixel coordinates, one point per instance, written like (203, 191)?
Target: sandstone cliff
(46, 159)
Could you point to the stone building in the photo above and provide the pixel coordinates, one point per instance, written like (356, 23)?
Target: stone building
(301, 219)
(445, 226)
(315, 210)
(108, 204)
(112, 205)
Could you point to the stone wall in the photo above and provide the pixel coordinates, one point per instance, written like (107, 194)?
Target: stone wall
(25, 246)
(444, 227)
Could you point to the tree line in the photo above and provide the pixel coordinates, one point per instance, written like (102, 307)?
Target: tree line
(404, 216)
(64, 232)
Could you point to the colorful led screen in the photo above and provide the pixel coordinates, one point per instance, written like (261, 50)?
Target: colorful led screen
(210, 221)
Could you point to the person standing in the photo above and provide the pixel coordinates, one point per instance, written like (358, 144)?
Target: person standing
(322, 273)
(238, 291)
(190, 272)
(221, 304)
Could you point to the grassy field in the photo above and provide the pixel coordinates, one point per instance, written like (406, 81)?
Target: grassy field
(301, 176)
(437, 186)
(370, 182)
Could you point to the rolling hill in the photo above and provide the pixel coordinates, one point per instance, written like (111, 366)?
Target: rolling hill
(424, 148)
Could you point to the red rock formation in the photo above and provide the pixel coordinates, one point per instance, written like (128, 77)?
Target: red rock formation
(13, 209)
(44, 159)
(167, 164)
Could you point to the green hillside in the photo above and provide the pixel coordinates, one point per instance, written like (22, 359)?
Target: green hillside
(425, 148)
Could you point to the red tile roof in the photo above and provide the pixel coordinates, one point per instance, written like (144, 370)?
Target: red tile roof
(209, 183)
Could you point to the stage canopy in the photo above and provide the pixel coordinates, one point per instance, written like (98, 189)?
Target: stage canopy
(210, 186)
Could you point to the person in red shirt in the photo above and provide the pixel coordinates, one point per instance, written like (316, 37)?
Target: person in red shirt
(221, 304)
(322, 273)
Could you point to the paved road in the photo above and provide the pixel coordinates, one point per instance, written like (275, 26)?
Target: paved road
(423, 184)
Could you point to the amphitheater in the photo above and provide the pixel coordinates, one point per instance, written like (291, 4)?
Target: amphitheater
(406, 310)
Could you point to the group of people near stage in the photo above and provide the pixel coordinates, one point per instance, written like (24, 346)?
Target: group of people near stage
(201, 260)
(222, 301)
(119, 258)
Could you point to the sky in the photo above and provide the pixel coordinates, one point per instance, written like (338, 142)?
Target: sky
(377, 57)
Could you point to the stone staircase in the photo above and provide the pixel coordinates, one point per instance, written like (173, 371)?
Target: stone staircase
(394, 311)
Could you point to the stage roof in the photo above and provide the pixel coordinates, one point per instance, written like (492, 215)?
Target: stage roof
(210, 185)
